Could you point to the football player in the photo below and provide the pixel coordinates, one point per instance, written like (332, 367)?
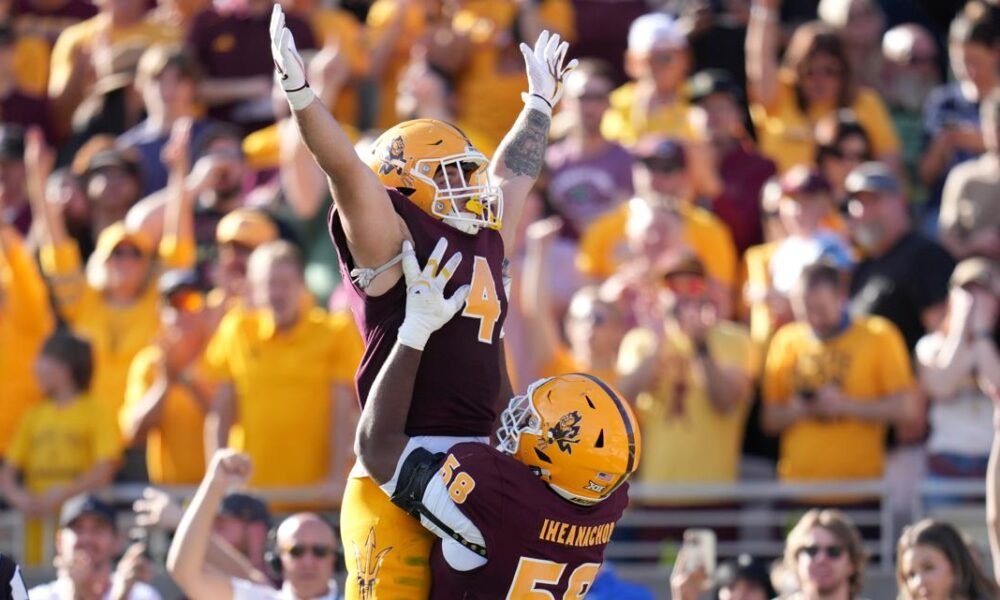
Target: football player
(528, 519)
(422, 181)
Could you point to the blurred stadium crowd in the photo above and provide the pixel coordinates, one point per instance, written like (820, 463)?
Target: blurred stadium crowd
(775, 225)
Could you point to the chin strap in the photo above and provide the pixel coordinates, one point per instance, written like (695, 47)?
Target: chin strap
(363, 277)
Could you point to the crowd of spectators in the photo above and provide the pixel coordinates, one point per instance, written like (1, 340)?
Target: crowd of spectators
(774, 225)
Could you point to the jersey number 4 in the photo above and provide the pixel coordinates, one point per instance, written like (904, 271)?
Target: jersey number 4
(532, 571)
(483, 302)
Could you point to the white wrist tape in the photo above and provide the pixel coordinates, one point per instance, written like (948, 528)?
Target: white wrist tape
(413, 335)
(536, 102)
(300, 98)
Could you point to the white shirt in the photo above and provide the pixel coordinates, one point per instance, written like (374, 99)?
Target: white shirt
(61, 589)
(248, 590)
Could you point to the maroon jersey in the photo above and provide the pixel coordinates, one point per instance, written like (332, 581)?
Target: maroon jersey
(458, 383)
(534, 538)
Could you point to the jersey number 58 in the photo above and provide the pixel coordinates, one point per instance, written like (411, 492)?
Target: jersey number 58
(532, 571)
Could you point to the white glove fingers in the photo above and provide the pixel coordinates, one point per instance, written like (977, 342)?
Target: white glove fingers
(411, 268)
(561, 56)
(570, 67)
(430, 269)
(457, 300)
(277, 21)
(449, 269)
(541, 44)
(552, 46)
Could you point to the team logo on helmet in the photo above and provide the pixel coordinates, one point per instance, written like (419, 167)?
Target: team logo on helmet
(393, 159)
(566, 432)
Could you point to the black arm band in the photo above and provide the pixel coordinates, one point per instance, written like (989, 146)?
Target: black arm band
(417, 470)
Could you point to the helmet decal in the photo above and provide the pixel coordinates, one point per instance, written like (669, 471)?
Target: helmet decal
(394, 159)
(566, 431)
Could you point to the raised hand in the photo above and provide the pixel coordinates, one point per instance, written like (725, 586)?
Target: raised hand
(427, 310)
(230, 468)
(546, 72)
(289, 67)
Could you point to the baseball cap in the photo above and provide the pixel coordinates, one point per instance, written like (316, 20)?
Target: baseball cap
(654, 31)
(665, 152)
(246, 226)
(802, 180)
(872, 177)
(11, 141)
(978, 270)
(685, 264)
(85, 504)
(713, 81)
(116, 234)
(112, 158)
(246, 508)
(178, 280)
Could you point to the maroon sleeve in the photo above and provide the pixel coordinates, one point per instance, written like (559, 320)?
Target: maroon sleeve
(476, 483)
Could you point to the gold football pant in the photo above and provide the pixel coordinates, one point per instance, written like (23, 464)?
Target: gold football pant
(386, 550)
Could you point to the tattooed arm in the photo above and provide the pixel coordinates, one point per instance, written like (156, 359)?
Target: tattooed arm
(517, 164)
(519, 159)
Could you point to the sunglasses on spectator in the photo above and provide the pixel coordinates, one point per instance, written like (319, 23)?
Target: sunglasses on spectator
(661, 58)
(317, 550)
(813, 551)
(126, 251)
(187, 301)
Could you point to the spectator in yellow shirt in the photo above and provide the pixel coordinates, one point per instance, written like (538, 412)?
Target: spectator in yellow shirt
(285, 372)
(833, 383)
(658, 60)
(690, 378)
(167, 398)
(593, 324)
(63, 447)
(814, 80)
(659, 177)
(111, 304)
(25, 321)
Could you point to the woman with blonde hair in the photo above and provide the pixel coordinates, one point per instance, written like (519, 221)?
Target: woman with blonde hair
(934, 563)
(112, 303)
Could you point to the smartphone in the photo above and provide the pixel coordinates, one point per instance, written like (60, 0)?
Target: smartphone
(699, 550)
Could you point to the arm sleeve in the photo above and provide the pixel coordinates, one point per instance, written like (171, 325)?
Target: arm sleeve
(441, 492)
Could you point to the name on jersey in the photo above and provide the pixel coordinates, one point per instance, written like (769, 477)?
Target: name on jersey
(575, 535)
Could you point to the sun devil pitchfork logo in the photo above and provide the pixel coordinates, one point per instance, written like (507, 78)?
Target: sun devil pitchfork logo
(368, 563)
(566, 431)
(393, 158)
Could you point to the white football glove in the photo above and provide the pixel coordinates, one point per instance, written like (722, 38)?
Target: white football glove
(289, 69)
(546, 72)
(427, 310)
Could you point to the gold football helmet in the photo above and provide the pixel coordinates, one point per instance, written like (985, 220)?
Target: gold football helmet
(576, 433)
(435, 165)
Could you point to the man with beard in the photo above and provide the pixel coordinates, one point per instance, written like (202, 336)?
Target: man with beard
(903, 276)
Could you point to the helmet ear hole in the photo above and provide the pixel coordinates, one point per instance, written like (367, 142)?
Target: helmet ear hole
(600, 440)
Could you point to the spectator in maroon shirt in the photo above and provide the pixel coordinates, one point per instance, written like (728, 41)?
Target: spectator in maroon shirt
(233, 46)
(719, 114)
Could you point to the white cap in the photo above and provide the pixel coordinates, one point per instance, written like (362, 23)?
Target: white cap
(655, 30)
